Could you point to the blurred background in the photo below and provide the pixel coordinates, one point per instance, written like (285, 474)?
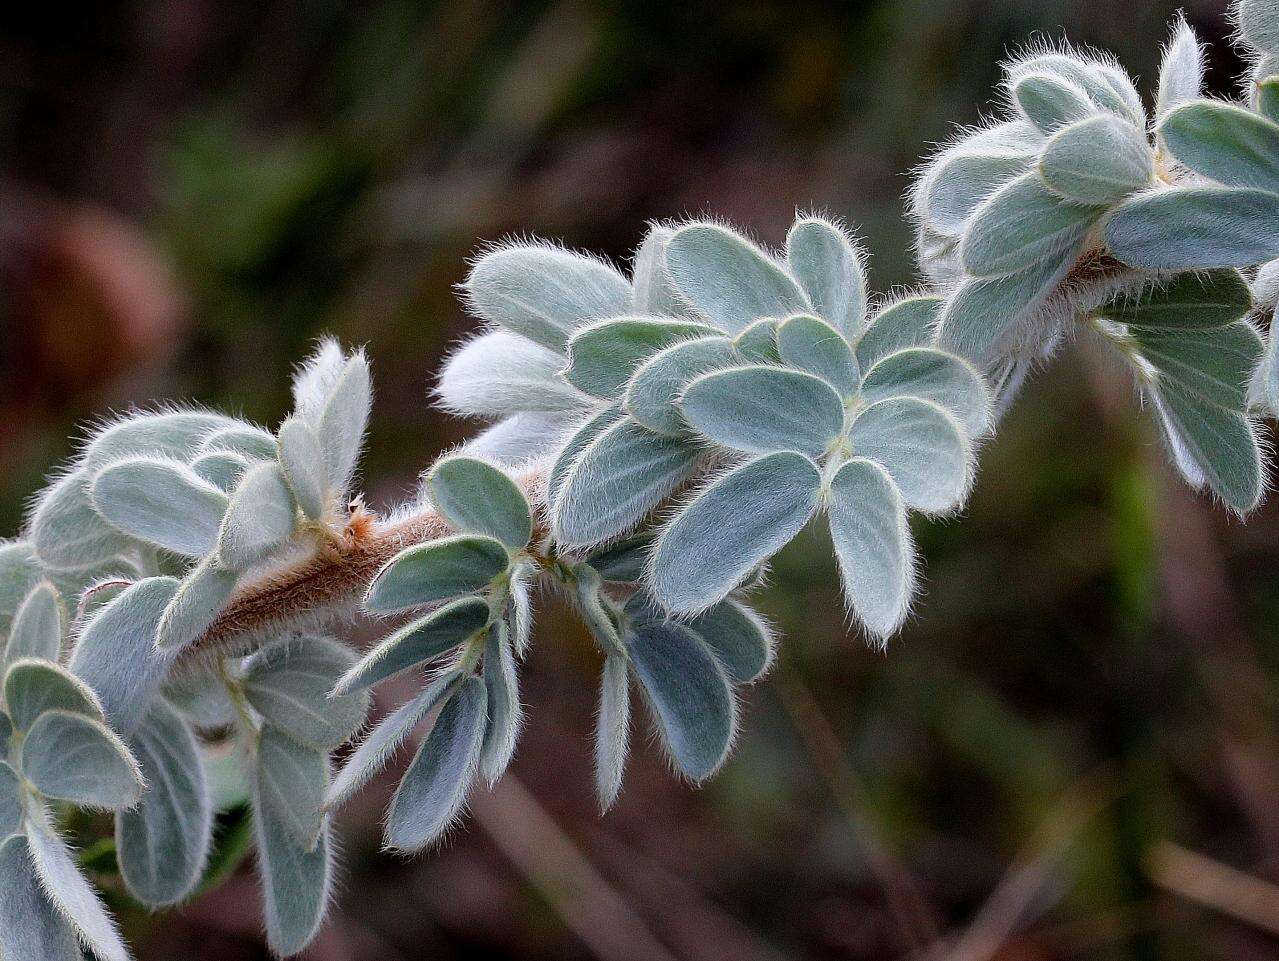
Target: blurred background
(1072, 750)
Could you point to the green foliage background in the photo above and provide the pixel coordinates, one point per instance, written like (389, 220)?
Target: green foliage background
(192, 191)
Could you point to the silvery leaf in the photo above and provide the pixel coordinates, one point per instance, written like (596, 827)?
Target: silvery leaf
(1216, 364)
(302, 462)
(115, 652)
(602, 357)
(573, 447)
(262, 515)
(935, 375)
(290, 783)
(544, 293)
(30, 926)
(1220, 442)
(314, 379)
(813, 345)
(906, 323)
(434, 787)
(19, 573)
(624, 561)
(1225, 143)
(75, 758)
(873, 544)
(621, 475)
(762, 409)
(1022, 226)
(736, 523)
(500, 373)
(32, 687)
(1267, 97)
(689, 694)
(160, 502)
(520, 609)
(612, 729)
(653, 393)
(417, 643)
(962, 181)
(596, 614)
(10, 799)
(1049, 102)
(38, 626)
(1181, 73)
(1188, 301)
(296, 883)
(478, 498)
(828, 267)
(373, 752)
(728, 280)
(247, 440)
(200, 598)
(221, 468)
(652, 292)
(162, 844)
(69, 891)
(1100, 160)
(519, 438)
(1259, 24)
(739, 638)
(343, 421)
(67, 532)
(757, 343)
(176, 434)
(288, 683)
(1190, 228)
(505, 714)
(922, 447)
(436, 571)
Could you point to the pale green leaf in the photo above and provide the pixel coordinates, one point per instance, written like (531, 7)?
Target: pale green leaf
(75, 758)
(761, 409)
(922, 447)
(436, 571)
(478, 498)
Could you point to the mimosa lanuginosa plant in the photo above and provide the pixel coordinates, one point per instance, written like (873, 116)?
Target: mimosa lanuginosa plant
(172, 617)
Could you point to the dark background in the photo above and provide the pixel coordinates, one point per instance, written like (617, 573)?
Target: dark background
(1083, 709)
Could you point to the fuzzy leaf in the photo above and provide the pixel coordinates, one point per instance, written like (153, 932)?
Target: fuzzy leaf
(162, 844)
(503, 700)
(160, 502)
(32, 687)
(261, 516)
(434, 787)
(934, 375)
(67, 532)
(689, 694)
(744, 517)
(873, 544)
(221, 468)
(38, 626)
(343, 421)
(290, 783)
(1268, 98)
(19, 574)
(813, 345)
(757, 343)
(653, 394)
(1188, 301)
(906, 323)
(201, 597)
(653, 295)
(729, 280)
(30, 926)
(1181, 73)
(828, 267)
(612, 730)
(624, 561)
(1050, 102)
(1259, 24)
(477, 498)
(519, 438)
(961, 182)
(500, 373)
(436, 571)
(921, 446)
(1192, 228)
(296, 883)
(1100, 160)
(1216, 364)
(10, 799)
(116, 655)
(373, 752)
(175, 434)
(71, 893)
(247, 440)
(544, 293)
(573, 447)
(1220, 442)
(303, 465)
(602, 357)
(621, 475)
(288, 683)
(75, 758)
(1225, 143)
(739, 638)
(1022, 226)
(417, 643)
(762, 409)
